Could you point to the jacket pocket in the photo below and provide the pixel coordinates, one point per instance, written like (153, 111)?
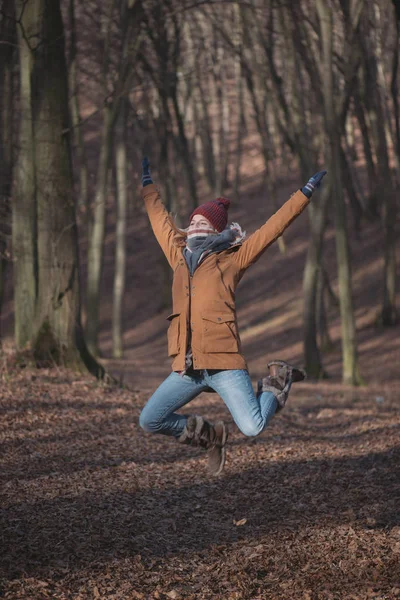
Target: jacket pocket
(173, 334)
(219, 333)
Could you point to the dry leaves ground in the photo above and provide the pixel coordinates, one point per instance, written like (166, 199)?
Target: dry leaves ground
(92, 507)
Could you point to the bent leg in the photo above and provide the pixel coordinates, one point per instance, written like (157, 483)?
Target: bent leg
(251, 413)
(159, 416)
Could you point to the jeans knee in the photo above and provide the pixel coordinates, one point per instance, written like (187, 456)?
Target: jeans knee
(251, 429)
(147, 423)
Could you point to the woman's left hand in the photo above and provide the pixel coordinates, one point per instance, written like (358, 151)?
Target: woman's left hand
(313, 183)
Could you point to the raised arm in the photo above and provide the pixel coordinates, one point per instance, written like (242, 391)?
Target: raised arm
(256, 244)
(158, 215)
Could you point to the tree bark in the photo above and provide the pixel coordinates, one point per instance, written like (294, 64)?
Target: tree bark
(8, 36)
(56, 332)
(350, 370)
(120, 249)
(185, 153)
(311, 276)
(96, 242)
(389, 313)
(130, 18)
(325, 342)
(394, 86)
(241, 123)
(76, 129)
(368, 154)
(24, 234)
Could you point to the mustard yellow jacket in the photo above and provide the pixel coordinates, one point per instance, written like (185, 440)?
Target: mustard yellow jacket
(205, 302)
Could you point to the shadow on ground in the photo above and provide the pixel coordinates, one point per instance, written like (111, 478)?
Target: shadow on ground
(80, 528)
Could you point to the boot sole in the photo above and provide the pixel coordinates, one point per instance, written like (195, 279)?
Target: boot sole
(298, 374)
(223, 450)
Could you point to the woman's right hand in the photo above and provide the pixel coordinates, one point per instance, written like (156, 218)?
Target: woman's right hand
(146, 177)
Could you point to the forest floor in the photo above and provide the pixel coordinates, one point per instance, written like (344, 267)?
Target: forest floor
(92, 507)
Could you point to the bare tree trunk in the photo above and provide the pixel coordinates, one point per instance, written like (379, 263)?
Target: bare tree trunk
(8, 36)
(241, 123)
(381, 87)
(368, 154)
(185, 152)
(351, 373)
(325, 341)
(355, 203)
(120, 249)
(130, 18)
(56, 331)
(24, 232)
(394, 87)
(389, 313)
(77, 136)
(221, 132)
(350, 138)
(203, 109)
(97, 229)
(171, 206)
(311, 276)
(207, 140)
(57, 305)
(241, 127)
(96, 242)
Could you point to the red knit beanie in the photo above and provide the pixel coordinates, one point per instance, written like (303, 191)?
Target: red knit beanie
(216, 211)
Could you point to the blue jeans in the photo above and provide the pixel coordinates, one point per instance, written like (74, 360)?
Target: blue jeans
(251, 413)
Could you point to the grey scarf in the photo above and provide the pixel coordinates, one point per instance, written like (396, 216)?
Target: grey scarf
(201, 246)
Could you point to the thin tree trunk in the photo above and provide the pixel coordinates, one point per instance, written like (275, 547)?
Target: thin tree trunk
(8, 35)
(222, 130)
(241, 124)
(325, 341)
(24, 194)
(368, 154)
(131, 16)
(185, 153)
(207, 140)
(389, 313)
(394, 88)
(350, 371)
(241, 127)
(203, 107)
(355, 203)
(77, 135)
(311, 275)
(198, 142)
(97, 226)
(120, 250)
(96, 242)
(381, 88)
(350, 139)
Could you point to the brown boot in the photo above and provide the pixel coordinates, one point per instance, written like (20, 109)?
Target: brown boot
(282, 371)
(279, 382)
(199, 432)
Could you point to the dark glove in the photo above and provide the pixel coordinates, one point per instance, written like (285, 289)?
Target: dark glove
(313, 183)
(146, 177)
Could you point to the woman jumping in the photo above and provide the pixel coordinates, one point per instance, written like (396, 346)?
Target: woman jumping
(208, 260)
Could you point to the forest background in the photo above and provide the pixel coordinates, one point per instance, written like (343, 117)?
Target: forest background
(246, 99)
